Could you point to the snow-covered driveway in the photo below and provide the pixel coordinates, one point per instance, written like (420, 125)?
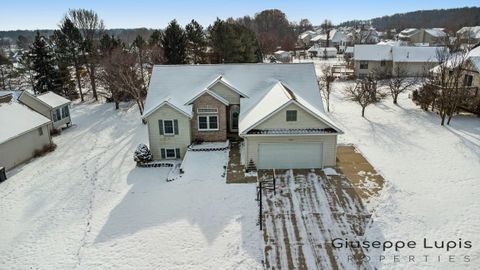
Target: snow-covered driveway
(86, 206)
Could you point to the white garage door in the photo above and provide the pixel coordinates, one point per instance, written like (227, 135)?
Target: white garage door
(289, 155)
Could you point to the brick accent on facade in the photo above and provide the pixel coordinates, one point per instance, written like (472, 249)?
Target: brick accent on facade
(207, 101)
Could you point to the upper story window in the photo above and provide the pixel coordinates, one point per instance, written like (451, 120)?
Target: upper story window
(57, 115)
(168, 127)
(207, 110)
(363, 64)
(468, 80)
(208, 122)
(291, 116)
(40, 131)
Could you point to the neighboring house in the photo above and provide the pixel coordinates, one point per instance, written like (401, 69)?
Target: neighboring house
(469, 34)
(22, 132)
(423, 37)
(276, 109)
(415, 61)
(304, 39)
(50, 105)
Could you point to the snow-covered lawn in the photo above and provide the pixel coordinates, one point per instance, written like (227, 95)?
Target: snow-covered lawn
(87, 206)
(432, 176)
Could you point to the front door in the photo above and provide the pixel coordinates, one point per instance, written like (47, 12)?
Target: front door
(234, 113)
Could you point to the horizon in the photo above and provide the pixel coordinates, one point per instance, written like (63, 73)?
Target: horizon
(114, 13)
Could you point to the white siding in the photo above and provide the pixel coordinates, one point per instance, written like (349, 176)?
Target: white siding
(304, 120)
(35, 105)
(225, 92)
(329, 146)
(20, 149)
(157, 141)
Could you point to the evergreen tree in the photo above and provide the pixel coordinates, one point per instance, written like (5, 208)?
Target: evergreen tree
(155, 50)
(196, 42)
(233, 43)
(46, 75)
(174, 44)
(68, 42)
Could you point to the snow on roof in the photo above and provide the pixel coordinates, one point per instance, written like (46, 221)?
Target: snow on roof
(322, 49)
(16, 119)
(470, 31)
(373, 52)
(349, 50)
(261, 83)
(319, 37)
(408, 32)
(475, 62)
(53, 100)
(436, 32)
(5, 93)
(276, 97)
(414, 54)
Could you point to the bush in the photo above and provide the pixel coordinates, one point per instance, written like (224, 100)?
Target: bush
(55, 132)
(142, 154)
(45, 149)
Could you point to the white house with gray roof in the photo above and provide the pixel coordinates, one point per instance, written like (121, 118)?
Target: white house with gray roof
(50, 105)
(22, 131)
(276, 109)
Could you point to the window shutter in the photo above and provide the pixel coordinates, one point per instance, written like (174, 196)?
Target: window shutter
(175, 126)
(177, 152)
(162, 151)
(160, 126)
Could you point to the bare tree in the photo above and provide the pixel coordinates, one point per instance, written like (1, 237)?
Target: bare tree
(364, 92)
(325, 83)
(123, 76)
(92, 28)
(398, 82)
(448, 80)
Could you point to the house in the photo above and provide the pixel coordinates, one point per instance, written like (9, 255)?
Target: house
(422, 37)
(304, 39)
(469, 34)
(50, 105)
(322, 52)
(23, 131)
(276, 109)
(415, 61)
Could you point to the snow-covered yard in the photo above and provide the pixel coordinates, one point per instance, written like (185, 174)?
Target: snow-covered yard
(432, 176)
(87, 206)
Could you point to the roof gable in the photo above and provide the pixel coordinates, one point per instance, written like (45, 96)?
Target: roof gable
(208, 92)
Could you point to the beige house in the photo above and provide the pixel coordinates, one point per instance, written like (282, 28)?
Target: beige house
(276, 109)
(423, 37)
(414, 61)
(50, 105)
(22, 132)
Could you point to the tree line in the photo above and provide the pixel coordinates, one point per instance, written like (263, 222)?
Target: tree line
(81, 58)
(452, 19)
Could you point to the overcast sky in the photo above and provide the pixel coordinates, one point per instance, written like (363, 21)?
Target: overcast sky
(45, 14)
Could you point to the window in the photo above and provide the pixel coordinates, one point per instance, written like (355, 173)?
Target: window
(291, 116)
(57, 115)
(65, 112)
(40, 131)
(168, 127)
(208, 122)
(363, 64)
(382, 63)
(207, 110)
(170, 153)
(468, 80)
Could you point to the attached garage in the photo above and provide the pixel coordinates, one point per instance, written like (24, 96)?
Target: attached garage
(290, 155)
